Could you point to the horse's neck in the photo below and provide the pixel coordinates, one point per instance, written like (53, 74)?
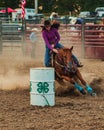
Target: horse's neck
(59, 59)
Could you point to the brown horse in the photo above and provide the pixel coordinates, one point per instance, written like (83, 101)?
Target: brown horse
(65, 68)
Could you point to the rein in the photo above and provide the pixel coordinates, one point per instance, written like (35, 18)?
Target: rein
(61, 65)
(65, 66)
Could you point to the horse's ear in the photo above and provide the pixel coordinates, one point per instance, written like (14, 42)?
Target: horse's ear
(71, 48)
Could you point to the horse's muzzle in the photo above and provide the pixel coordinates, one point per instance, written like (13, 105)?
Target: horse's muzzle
(71, 67)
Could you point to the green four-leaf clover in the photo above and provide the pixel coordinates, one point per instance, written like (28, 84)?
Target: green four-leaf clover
(43, 87)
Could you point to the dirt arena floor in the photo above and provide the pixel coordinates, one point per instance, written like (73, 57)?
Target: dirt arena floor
(72, 111)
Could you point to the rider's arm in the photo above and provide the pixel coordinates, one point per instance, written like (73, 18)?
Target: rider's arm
(46, 40)
(57, 36)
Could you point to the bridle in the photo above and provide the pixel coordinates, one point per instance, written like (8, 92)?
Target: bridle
(69, 67)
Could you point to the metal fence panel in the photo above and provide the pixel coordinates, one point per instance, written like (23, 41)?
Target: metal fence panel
(87, 39)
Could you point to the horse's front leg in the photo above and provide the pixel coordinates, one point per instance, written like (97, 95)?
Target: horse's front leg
(88, 88)
(68, 79)
(79, 75)
(77, 86)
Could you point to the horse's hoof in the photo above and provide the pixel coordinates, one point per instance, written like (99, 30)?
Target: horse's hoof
(83, 92)
(93, 94)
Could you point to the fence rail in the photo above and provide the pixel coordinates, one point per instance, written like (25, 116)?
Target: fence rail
(88, 40)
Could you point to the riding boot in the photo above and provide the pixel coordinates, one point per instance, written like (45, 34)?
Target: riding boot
(79, 65)
(76, 61)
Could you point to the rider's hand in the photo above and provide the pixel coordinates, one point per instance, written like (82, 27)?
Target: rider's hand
(55, 50)
(53, 45)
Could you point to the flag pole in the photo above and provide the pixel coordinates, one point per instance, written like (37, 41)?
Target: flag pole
(36, 6)
(23, 4)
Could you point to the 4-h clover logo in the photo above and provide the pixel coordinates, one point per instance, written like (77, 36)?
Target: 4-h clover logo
(43, 87)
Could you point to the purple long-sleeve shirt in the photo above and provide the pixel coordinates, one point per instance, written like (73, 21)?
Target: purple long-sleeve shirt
(51, 36)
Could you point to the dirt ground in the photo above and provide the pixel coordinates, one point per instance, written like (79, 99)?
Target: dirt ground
(72, 111)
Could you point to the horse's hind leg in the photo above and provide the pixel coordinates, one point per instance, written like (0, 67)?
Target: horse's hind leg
(59, 79)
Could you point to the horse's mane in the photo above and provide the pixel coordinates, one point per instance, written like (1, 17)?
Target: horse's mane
(65, 49)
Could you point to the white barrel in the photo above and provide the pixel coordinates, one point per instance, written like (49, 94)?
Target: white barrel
(42, 86)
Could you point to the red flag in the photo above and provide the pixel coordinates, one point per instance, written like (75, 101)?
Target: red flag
(23, 2)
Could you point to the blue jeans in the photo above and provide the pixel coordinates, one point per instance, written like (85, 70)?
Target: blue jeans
(75, 60)
(47, 60)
